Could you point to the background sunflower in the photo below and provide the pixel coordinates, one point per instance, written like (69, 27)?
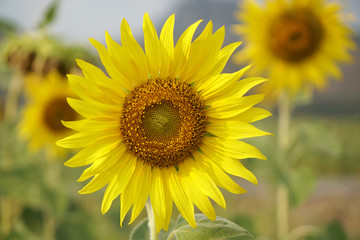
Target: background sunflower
(325, 192)
(46, 106)
(297, 44)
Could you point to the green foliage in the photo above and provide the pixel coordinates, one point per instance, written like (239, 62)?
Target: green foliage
(333, 231)
(141, 231)
(301, 184)
(6, 27)
(49, 15)
(206, 229)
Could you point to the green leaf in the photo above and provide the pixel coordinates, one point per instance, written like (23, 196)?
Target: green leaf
(141, 231)
(50, 14)
(206, 229)
(302, 183)
(333, 231)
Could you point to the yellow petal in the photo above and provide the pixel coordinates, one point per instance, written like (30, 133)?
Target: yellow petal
(219, 177)
(157, 197)
(234, 130)
(96, 76)
(123, 62)
(185, 206)
(229, 107)
(99, 181)
(110, 67)
(252, 115)
(95, 150)
(167, 46)
(220, 82)
(118, 183)
(229, 165)
(152, 46)
(93, 124)
(127, 196)
(83, 139)
(238, 89)
(182, 48)
(216, 69)
(143, 182)
(194, 192)
(204, 182)
(232, 148)
(91, 109)
(203, 56)
(95, 92)
(106, 163)
(133, 49)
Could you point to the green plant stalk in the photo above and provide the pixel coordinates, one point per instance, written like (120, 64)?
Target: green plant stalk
(12, 97)
(5, 217)
(282, 195)
(151, 222)
(10, 210)
(49, 227)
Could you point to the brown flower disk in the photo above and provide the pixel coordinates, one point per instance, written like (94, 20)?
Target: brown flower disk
(163, 122)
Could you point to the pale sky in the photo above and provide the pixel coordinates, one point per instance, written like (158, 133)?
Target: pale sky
(78, 20)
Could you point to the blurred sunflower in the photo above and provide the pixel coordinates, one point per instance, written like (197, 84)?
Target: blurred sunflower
(297, 43)
(165, 124)
(39, 53)
(45, 108)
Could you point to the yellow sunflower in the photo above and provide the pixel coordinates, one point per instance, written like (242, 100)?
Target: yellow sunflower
(46, 106)
(298, 43)
(165, 124)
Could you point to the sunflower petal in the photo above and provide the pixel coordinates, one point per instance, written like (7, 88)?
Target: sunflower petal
(204, 182)
(167, 43)
(232, 148)
(186, 208)
(118, 183)
(152, 45)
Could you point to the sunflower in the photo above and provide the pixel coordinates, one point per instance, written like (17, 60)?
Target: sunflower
(297, 43)
(45, 108)
(165, 124)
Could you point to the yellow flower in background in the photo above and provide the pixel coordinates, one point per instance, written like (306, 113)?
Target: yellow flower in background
(44, 109)
(165, 124)
(298, 43)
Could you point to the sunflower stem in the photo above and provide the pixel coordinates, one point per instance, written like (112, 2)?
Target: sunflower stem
(151, 222)
(12, 97)
(282, 199)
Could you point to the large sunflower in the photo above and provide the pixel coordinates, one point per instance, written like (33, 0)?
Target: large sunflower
(165, 123)
(45, 107)
(298, 43)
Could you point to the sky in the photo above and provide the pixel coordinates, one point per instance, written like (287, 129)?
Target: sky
(78, 20)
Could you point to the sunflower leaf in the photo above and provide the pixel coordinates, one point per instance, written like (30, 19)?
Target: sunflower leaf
(140, 231)
(206, 229)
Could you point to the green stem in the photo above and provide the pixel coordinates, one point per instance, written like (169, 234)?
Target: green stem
(49, 227)
(9, 209)
(282, 199)
(5, 217)
(12, 97)
(301, 232)
(151, 222)
(282, 210)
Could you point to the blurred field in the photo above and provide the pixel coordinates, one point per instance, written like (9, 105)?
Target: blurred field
(39, 199)
(330, 190)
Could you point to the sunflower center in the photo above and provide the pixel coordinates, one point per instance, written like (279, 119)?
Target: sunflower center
(163, 122)
(56, 110)
(296, 35)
